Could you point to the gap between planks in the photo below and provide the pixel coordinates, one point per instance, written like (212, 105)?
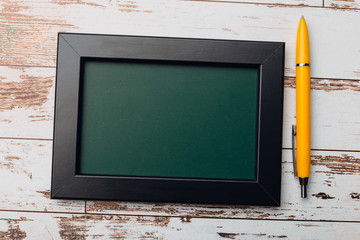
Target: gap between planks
(278, 4)
(285, 76)
(26, 66)
(27, 139)
(179, 216)
(326, 150)
(313, 149)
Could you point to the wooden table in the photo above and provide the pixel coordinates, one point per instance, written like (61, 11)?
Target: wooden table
(28, 35)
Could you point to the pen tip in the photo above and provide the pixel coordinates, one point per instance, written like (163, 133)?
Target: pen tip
(303, 191)
(303, 183)
(302, 16)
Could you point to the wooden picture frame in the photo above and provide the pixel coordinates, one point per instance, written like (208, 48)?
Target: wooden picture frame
(266, 57)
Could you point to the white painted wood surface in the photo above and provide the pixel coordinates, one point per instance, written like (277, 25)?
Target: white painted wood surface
(89, 226)
(26, 164)
(342, 3)
(314, 3)
(27, 102)
(331, 197)
(28, 35)
(28, 32)
(335, 115)
(25, 171)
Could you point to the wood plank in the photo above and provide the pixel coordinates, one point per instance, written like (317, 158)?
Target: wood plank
(29, 32)
(342, 3)
(27, 166)
(20, 225)
(25, 170)
(334, 113)
(27, 99)
(28, 37)
(313, 3)
(331, 197)
(26, 102)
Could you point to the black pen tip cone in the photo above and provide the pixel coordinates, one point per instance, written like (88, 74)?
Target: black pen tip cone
(303, 191)
(303, 183)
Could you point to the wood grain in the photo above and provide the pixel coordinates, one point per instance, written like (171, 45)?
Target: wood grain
(313, 3)
(27, 108)
(334, 114)
(26, 102)
(29, 28)
(80, 226)
(342, 3)
(26, 165)
(331, 174)
(28, 34)
(25, 170)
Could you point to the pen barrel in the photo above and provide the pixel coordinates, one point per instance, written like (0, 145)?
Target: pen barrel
(303, 136)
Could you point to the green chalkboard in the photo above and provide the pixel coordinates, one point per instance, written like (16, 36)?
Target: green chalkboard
(164, 119)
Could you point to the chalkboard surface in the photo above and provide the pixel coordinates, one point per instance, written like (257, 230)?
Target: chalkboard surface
(164, 119)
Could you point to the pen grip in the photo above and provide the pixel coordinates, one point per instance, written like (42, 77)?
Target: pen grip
(303, 136)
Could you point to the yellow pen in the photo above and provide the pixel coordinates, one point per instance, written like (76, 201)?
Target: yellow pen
(303, 106)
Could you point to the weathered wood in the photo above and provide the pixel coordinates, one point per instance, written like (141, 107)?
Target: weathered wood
(334, 113)
(334, 181)
(26, 165)
(342, 3)
(23, 225)
(314, 3)
(28, 32)
(27, 100)
(25, 170)
(29, 28)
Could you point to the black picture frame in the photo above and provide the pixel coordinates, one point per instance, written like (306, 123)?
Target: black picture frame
(264, 190)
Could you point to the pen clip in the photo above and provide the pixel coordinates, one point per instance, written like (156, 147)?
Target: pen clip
(294, 150)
